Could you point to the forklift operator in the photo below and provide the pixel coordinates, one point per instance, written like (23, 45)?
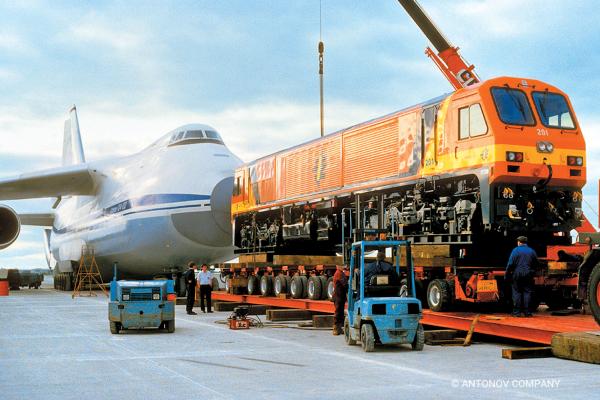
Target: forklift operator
(380, 267)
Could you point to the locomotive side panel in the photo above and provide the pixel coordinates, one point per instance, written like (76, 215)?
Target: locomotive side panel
(310, 169)
(371, 153)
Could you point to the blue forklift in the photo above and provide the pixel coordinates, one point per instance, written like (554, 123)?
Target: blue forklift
(382, 309)
(141, 304)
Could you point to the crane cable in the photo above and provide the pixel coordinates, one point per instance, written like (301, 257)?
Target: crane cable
(321, 49)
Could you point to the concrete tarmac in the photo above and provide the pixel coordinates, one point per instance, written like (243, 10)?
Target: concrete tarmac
(55, 347)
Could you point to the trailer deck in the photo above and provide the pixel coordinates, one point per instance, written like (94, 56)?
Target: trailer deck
(538, 329)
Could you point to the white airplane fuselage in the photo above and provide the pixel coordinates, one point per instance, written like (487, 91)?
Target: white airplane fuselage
(153, 211)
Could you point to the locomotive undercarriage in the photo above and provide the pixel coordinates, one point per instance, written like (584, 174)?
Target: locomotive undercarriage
(432, 210)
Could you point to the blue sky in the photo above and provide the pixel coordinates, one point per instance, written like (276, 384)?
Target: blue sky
(138, 69)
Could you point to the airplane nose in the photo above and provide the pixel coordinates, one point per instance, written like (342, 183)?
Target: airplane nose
(210, 228)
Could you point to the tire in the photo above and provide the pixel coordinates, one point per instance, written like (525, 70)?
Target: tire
(329, 291)
(214, 283)
(438, 295)
(593, 293)
(170, 326)
(304, 280)
(347, 337)
(228, 284)
(297, 287)
(266, 285)
(314, 288)
(367, 338)
(253, 285)
(280, 285)
(115, 327)
(419, 340)
(323, 279)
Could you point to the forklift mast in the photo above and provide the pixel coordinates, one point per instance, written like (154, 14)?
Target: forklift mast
(448, 60)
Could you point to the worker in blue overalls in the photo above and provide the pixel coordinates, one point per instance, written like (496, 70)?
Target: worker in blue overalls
(521, 269)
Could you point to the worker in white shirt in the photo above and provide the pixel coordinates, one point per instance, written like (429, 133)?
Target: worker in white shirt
(205, 280)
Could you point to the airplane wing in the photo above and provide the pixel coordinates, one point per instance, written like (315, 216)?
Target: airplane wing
(68, 180)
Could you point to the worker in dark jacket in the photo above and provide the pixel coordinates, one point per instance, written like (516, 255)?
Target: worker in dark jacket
(380, 267)
(190, 283)
(521, 269)
(340, 290)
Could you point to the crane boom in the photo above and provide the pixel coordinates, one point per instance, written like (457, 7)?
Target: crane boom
(448, 60)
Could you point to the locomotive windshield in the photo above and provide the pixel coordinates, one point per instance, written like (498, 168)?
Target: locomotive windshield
(553, 110)
(512, 106)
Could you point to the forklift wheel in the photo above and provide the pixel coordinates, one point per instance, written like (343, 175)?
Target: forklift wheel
(347, 336)
(367, 338)
(419, 340)
(170, 326)
(115, 327)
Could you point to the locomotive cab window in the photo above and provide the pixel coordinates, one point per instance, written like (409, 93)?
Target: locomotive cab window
(512, 106)
(471, 122)
(553, 110)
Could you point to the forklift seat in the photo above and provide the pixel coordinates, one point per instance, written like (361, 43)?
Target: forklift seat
(382, 285)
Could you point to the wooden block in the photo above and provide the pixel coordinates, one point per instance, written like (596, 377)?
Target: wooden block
(307, 260)
(283, 295)
(440, 334)
(288, 315)
(578, 346)
(527, 352)
(446, 342)
(224, 305)
(254, 258)
(257, 309)
(428, 250)
(322, 321)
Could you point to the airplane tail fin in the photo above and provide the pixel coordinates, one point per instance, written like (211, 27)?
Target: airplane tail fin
(72, 147)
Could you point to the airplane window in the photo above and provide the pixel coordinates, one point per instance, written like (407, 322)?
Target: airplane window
(179, 136)
(212, 135)
(194, 135)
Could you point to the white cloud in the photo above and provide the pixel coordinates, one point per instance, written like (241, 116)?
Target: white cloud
(9, 75)
(11, 42)
(94, 29)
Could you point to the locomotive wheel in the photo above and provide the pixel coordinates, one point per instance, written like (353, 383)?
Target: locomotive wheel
(266, 285)
(253, 285)
(438, 295)
(594, 292)
(314, 288)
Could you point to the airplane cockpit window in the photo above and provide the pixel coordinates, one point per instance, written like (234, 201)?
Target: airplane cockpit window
(195, 136)
(212, 135)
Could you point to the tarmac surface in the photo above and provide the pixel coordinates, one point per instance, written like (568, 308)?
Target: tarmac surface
(55, 347)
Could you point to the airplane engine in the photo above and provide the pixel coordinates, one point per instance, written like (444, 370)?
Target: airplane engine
(10, 226)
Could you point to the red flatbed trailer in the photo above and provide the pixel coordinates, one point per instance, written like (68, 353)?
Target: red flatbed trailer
(538, 329)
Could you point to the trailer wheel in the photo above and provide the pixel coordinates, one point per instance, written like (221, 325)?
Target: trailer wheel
(280, 285)
(438, 295)
(419, 341)
(594, 293)
(214, 283)
(253, 284)
(330, 289)
(323, 279)
(367, 338)
(297, 287)
(115, 327)
(171, 326)
(347, 336)
(314, 288)
(266, 285)
(304, 280)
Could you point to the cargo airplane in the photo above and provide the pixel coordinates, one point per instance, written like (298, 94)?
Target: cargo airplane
(151, 211)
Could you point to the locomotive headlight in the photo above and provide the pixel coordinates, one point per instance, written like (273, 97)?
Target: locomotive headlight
(580, 161)
(549, 147)
(510, 156)
(541, 146)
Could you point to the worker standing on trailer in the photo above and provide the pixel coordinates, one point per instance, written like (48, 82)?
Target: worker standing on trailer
(205, 278)
(521, 268)
(340, 291)
(190, 282)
